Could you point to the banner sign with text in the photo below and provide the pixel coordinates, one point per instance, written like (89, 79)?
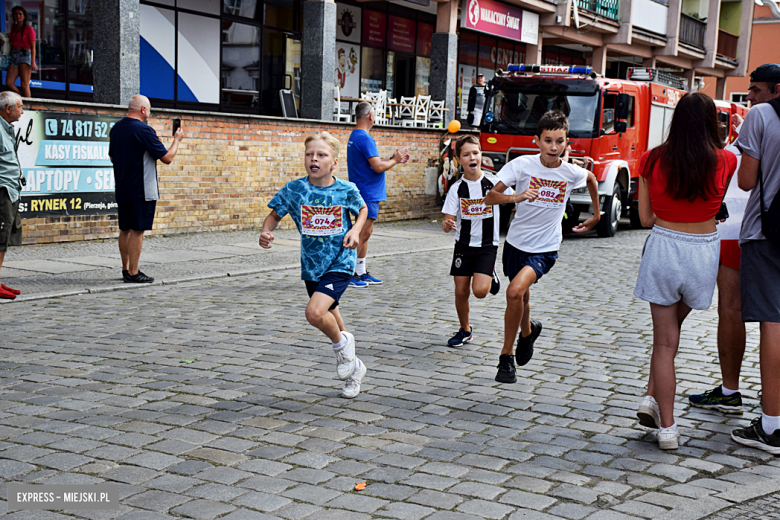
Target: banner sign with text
(64, 158)
(491, 17)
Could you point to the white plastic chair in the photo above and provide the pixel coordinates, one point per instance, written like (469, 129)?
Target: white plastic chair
(405, 112)
(337, 114)
(436, 114)
(421, 107)
(380, 107)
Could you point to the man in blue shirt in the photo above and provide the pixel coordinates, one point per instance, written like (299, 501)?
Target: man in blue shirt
(135, 149)
(367, 171)
(10, 184)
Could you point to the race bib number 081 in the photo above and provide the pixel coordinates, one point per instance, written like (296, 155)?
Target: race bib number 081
(321, 221)
(475, 209)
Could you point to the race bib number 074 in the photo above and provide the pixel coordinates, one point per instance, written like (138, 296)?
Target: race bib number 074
(552, 194)
(321, 221)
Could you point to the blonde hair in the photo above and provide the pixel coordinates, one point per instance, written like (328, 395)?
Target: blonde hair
(329, 140)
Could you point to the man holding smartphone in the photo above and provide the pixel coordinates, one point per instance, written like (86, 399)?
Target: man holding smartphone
(134, 150)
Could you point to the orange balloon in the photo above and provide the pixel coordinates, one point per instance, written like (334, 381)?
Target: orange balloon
(453, 127)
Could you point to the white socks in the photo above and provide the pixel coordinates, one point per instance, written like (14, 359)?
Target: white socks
(769, 423)
(727, 391)
(341, 343)
(360, 267)
(672, 427)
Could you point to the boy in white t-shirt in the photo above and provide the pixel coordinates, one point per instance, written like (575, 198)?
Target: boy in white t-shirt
(476, 234)
(542, 184)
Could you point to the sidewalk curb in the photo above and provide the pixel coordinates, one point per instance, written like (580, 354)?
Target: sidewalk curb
(175, 281)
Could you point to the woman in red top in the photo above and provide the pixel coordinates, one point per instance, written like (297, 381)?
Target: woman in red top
(22, 58)
(682, 185)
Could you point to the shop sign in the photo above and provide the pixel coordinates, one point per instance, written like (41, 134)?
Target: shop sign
(374, 28)
(402, 34)
(348, 22)
(491, 17)
(64, 158)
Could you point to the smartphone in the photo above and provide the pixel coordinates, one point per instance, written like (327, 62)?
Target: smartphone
(723, 213)
(176, 125)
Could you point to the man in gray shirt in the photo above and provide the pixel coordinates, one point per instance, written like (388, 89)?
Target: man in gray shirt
(10, 182)
(759, 141)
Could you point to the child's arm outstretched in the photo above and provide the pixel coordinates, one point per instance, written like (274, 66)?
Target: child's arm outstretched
(449, 223)
(267, 234)
(497, 196)
(593, 189)
(352, 238)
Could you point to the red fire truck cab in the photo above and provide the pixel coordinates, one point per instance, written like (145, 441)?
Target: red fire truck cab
(613, 121)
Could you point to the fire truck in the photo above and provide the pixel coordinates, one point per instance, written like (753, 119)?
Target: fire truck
(613, 121)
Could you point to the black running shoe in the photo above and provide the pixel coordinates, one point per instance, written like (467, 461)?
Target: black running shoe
(461, 337)
(525, 345)
(125, 274)
(506, 369)
(715, 400)
(138, 277)
(755, 437)
(495, 285)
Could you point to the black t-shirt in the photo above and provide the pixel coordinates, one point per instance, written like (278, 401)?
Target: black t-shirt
(134, 149)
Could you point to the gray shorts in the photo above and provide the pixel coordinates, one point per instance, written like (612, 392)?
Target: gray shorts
(678, 266)
(759, 283)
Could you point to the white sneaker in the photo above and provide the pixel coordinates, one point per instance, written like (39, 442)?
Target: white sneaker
(352, 385)
(345, 357)
(648, 413)
(668, 439)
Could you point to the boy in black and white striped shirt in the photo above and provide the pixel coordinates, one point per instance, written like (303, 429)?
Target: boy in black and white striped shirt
(476, 234)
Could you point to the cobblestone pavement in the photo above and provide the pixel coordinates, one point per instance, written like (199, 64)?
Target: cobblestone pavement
(214, 398)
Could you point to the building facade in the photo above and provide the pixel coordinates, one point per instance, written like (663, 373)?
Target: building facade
(236, 55)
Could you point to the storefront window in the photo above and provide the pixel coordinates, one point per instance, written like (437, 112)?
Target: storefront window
(198, 58)
(373, 70)
(158, 52)
(243, 8)
(240, 64)
(423, 76)
(80, 45)
(279, 13)
(200, 6)
(274, 71)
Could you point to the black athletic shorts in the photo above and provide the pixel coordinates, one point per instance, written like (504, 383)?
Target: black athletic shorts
(136, 215)
(469, 260)
(10, 222)
(332, 284)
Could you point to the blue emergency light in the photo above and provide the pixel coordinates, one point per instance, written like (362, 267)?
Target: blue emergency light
(549, 69)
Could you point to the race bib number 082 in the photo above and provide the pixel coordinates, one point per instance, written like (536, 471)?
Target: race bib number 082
(552, 194)
(322, 221)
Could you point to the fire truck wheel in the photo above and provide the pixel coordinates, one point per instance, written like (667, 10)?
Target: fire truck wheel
(613, 208)
(633, 216)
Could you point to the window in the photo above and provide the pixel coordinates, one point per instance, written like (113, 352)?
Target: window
(80, 45)
(236, 54)
(740, 97)
(373, 70)
(240, 64)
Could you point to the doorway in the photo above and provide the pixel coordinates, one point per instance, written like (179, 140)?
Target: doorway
(404, 76)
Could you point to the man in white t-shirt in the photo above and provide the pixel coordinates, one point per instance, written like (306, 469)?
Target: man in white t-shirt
(542, 185)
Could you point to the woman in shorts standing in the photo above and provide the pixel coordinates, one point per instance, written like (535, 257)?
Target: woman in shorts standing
(22, 58)
(680, 191)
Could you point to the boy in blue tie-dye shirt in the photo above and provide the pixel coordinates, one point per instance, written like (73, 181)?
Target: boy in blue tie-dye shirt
(320, 205)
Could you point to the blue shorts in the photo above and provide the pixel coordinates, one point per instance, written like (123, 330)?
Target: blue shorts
(514, 260)
(373, 209)
(331, 284)
(20, 56)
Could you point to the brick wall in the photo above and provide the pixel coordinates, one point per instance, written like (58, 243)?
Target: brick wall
(229, 166)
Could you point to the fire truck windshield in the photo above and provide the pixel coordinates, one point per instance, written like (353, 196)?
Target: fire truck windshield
(517, 109)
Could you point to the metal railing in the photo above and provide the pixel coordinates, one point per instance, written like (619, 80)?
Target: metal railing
(606, 8)
(727, 44)
(692, 30)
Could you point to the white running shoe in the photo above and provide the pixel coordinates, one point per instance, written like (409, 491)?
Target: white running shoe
(668, 439)
(352, 385)
(345, 357)
(648, 413)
